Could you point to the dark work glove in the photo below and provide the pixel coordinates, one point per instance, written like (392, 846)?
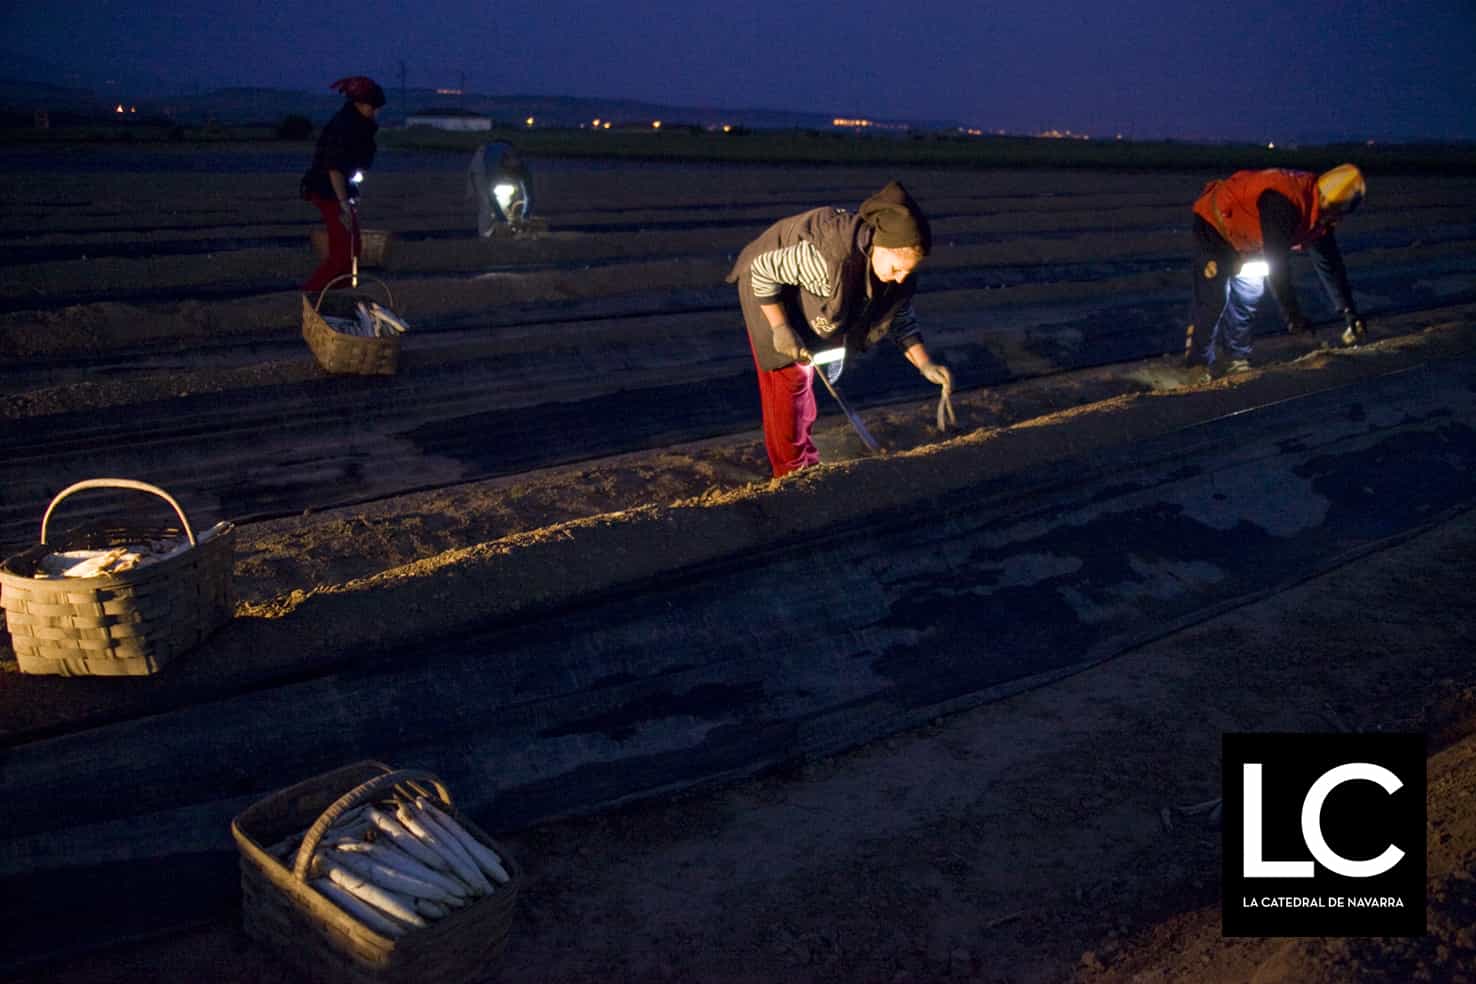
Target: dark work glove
(787, 344)
(1296, 324)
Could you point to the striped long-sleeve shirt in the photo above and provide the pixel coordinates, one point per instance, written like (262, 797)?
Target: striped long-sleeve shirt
(801, 265)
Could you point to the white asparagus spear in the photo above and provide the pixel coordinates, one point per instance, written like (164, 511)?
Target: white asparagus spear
(377, 870)
(351, 814)
(406, 875)
(386, 852)
(362, 911)
(394, 903)
(385, 314)
(484, 856)
(286, 848)
(430, 910)
(437, 841)
(407, 841)
(461, 894)
(431, 820)
(359, 823)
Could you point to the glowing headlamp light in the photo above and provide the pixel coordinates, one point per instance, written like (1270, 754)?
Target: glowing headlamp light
(1255, 270)
(358, 177)
(504, 194)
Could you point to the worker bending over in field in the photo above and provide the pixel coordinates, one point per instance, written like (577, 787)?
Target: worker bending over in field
(829, 280)
(500, 183)
(344, 152)
(1245, 229)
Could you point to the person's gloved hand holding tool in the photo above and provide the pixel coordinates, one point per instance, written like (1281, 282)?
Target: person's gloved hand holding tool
(939, 375)
(787, 344)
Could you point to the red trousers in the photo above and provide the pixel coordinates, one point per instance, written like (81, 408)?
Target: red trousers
(340, 257)
(787, 397)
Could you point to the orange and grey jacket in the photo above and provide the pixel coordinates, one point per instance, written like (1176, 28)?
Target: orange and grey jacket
(1270, 213)
(1232, 206)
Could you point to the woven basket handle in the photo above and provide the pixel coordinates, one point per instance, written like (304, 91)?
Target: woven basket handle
(349, 276)
(117, 483)
(361, 793)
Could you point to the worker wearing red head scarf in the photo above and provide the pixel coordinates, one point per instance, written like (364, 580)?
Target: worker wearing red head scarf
(345, 147)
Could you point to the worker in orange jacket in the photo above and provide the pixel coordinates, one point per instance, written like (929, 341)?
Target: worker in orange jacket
(1246, 228)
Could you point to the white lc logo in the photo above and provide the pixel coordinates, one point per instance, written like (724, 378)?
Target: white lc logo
(1257, 867)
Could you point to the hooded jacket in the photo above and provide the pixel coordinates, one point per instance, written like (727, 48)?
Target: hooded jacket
(857, 312)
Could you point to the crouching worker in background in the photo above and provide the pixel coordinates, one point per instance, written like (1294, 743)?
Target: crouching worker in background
(500, 183)
(344, 152)
(1245, 229)
(829, 280)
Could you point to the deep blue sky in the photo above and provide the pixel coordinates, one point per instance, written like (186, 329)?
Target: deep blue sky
(1249, 69)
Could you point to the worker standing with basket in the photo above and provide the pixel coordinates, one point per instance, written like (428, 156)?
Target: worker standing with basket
(345, 150)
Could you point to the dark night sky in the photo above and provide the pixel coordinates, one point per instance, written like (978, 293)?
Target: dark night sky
(1251, 69)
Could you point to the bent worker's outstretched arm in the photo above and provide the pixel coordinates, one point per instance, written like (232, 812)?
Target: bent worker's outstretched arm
(909, 339)
(934, 372)
(1327, 258)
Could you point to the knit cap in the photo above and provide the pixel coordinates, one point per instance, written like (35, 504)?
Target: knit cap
(896, 219)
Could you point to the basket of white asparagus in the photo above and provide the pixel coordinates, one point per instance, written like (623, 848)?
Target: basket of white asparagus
(116, 597)
(383, 882)
(359, 336)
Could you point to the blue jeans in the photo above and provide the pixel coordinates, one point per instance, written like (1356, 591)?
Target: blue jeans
(1242, 297)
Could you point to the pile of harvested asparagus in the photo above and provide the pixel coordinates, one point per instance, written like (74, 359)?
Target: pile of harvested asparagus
(398, 864)
(370, 321)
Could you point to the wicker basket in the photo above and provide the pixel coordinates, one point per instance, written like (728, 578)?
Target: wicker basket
(280, 908)
(126, 624)
(374, 245)
(349, 354)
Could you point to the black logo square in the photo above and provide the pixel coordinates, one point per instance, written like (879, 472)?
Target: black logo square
(1324, 835)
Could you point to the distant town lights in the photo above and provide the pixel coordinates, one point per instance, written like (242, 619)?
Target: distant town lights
(528, 121)
(655, 124)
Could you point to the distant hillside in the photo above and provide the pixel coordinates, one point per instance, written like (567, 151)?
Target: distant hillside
(20, 99)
